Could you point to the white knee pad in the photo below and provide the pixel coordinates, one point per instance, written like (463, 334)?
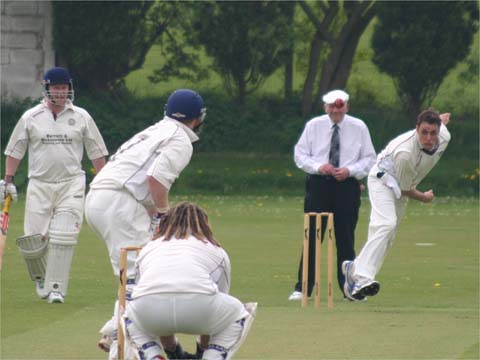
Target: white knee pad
(34, 250)
(225, 344)
(138, 345)
(63, 233)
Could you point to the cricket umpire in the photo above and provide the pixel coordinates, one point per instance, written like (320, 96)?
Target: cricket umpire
(336, 151)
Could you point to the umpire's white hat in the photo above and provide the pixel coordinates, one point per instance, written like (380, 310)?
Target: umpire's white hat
(332, 96)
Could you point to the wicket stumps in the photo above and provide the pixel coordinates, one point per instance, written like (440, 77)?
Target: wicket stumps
(122, 292)
(318, 255)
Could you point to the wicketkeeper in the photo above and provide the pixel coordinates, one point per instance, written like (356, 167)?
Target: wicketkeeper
(55, 133)
(182, 287)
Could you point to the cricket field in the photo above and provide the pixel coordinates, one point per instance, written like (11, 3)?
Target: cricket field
(427, 308)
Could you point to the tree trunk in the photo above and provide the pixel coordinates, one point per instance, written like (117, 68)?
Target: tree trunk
(336, 69)
(288, 85)
(311, 75)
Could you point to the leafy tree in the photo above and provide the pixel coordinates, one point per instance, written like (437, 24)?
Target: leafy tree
(417, 43)
(246, 40)
(338, 28)
(102, 41)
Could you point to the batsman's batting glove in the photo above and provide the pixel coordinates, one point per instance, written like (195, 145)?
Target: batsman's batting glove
(8, 187)
(155, 224)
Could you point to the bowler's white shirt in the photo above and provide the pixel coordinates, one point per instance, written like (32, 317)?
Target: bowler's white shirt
(55, 146)
(357, 153)
(162, 151)
(411, 164)
(182, 266)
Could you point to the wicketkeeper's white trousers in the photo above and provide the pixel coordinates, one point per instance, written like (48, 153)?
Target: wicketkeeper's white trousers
(120, 221)
(386, 214)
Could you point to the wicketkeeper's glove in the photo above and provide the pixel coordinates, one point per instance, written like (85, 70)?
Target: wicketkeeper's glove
(7, 188)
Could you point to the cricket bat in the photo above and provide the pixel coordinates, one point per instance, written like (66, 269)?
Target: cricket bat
(4, 227)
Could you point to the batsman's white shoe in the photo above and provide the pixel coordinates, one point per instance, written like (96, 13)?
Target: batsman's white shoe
(295, 296)
(55, 298)
(39, 288)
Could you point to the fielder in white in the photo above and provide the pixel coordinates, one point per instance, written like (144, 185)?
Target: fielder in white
(55, 133)
(182, 287)
(130, 195)
(400, 167)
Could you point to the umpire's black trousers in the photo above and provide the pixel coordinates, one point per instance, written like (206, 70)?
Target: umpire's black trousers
(342, 198)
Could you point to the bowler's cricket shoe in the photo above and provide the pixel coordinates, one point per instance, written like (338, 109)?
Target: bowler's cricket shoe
(295, 296)
(105, 343)
(350, 287)
(369, 288)
(55, 297)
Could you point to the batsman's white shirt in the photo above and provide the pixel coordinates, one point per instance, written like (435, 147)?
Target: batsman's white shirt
(55, 151)
(55, 146)
(119, 197)
(162, 151)
(182, 266)
(409, 166)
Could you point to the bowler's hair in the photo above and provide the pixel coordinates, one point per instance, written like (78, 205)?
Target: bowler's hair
(430, 116)
(184, 220)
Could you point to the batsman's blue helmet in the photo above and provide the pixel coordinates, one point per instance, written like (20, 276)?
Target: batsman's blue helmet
(56, 76)
(185, 104)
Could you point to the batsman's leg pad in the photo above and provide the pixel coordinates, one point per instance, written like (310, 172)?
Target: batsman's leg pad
(34, 250)
(63, 232)
(225, 344)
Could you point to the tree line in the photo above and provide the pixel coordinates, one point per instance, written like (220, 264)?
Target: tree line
(416, 43)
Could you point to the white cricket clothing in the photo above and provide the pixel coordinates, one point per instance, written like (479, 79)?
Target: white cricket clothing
(410, 166)
(162, 151)
(357, 153)
(183, 288)
(55, 146)
(119, 196)
(120, 221)
(410, 163)
(182, 266)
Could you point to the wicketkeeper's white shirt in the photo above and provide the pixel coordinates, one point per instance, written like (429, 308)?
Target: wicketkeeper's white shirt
(162, 151)
(55, 146)
(182, 266)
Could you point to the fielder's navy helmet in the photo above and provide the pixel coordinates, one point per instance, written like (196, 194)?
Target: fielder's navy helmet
(185, 104)
(56, 76)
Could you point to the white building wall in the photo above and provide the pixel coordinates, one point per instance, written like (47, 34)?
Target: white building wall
(26, 47)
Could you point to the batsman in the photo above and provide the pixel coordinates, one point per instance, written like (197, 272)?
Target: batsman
(128, 198)
(55, 133)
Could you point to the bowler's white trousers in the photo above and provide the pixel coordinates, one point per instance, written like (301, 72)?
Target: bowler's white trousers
(121, 221)
(386, 214)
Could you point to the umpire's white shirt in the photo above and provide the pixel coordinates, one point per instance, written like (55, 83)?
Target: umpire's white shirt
(356, 149)
(182, 266)
(55, 146)
(162, 151)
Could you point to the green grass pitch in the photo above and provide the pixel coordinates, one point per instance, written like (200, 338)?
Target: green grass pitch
(427, 308)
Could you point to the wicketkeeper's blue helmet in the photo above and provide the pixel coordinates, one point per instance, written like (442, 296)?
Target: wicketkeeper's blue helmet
(57, 76)
(185, 104)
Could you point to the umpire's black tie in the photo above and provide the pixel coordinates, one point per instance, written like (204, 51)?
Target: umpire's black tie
(334, 155)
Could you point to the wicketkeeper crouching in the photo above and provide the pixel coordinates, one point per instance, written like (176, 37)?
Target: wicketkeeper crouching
(183, 280)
